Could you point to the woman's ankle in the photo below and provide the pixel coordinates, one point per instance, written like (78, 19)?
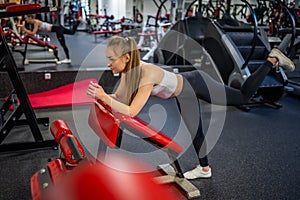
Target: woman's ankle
(273, 60)
(206, 168)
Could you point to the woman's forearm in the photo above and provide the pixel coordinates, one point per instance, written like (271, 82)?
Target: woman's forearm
(118, 106)
(28, 31)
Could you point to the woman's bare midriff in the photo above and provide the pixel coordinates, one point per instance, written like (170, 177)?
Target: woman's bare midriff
(179, 85)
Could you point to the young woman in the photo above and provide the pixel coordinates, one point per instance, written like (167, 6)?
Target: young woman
(139, 80)
(46, 27)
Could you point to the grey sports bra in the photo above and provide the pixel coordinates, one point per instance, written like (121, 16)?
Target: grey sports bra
(45, 27)
(166, 87)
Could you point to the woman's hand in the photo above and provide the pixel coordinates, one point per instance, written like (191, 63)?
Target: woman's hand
(21, 26)
(96, 91)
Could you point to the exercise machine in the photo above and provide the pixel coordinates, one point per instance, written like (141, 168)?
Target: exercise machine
(34, 41)
(110, 127)
(104, 25)
(237, 52)
(18, 99)
(75, 176)
(174, 48)
(155, 28)
(17, 10)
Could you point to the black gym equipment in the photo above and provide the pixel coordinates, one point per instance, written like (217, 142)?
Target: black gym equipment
(19, 10)
(237, 49)
(7, 64)
(178, 38)
(182, 48)
(289, 19)
(19, 93)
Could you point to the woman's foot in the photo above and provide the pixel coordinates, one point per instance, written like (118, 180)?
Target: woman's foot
(198, 172)
(283, 61)
(66, 61)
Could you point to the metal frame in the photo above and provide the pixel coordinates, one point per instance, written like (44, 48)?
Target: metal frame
(7, 63)
(173, 172)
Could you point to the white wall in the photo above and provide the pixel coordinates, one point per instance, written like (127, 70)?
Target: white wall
(151, 9)
(120, 8)
(113, 7)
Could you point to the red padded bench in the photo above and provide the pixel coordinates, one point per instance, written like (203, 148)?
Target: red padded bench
(109, 125)
(98, 181)
(29, 39)
(85, 179)
(106, 32)
(23, 7)
(146, 34)
(5, 5)
(33, 40)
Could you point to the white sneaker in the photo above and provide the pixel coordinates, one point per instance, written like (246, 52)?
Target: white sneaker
(66, 61)
(283, 61)
(197, 173)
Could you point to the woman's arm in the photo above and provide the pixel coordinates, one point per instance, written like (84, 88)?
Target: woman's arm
(120, 91)
(142, 96)
(35, 28)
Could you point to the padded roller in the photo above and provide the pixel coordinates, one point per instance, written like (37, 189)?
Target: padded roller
(71, 148)
(46, 177)
(58, 129)
(57, 169)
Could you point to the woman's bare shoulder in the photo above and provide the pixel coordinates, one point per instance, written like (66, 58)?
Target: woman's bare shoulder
(38, 22)
(151, 73)
(150, 67)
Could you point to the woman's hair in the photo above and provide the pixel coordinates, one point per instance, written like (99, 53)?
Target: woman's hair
(30, 15)
(122, 46)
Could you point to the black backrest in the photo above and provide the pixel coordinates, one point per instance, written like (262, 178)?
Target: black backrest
(215, 47)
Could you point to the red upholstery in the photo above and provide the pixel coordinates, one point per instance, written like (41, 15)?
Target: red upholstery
(5, 5)
(56, 171)
(59, 128)
(107, 32)
(98, 16)
(24, 7)
(36, 193)
(68, 150)
(13, 37)
(118, 180)
(116, 31)
(146, 34)
(69, 144)
(30, 39)
(150, 132)
(106, 126)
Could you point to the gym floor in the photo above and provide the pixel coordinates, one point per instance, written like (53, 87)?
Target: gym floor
(257, 155)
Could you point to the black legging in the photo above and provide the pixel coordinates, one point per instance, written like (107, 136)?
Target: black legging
(202, 85)
(60, 31)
